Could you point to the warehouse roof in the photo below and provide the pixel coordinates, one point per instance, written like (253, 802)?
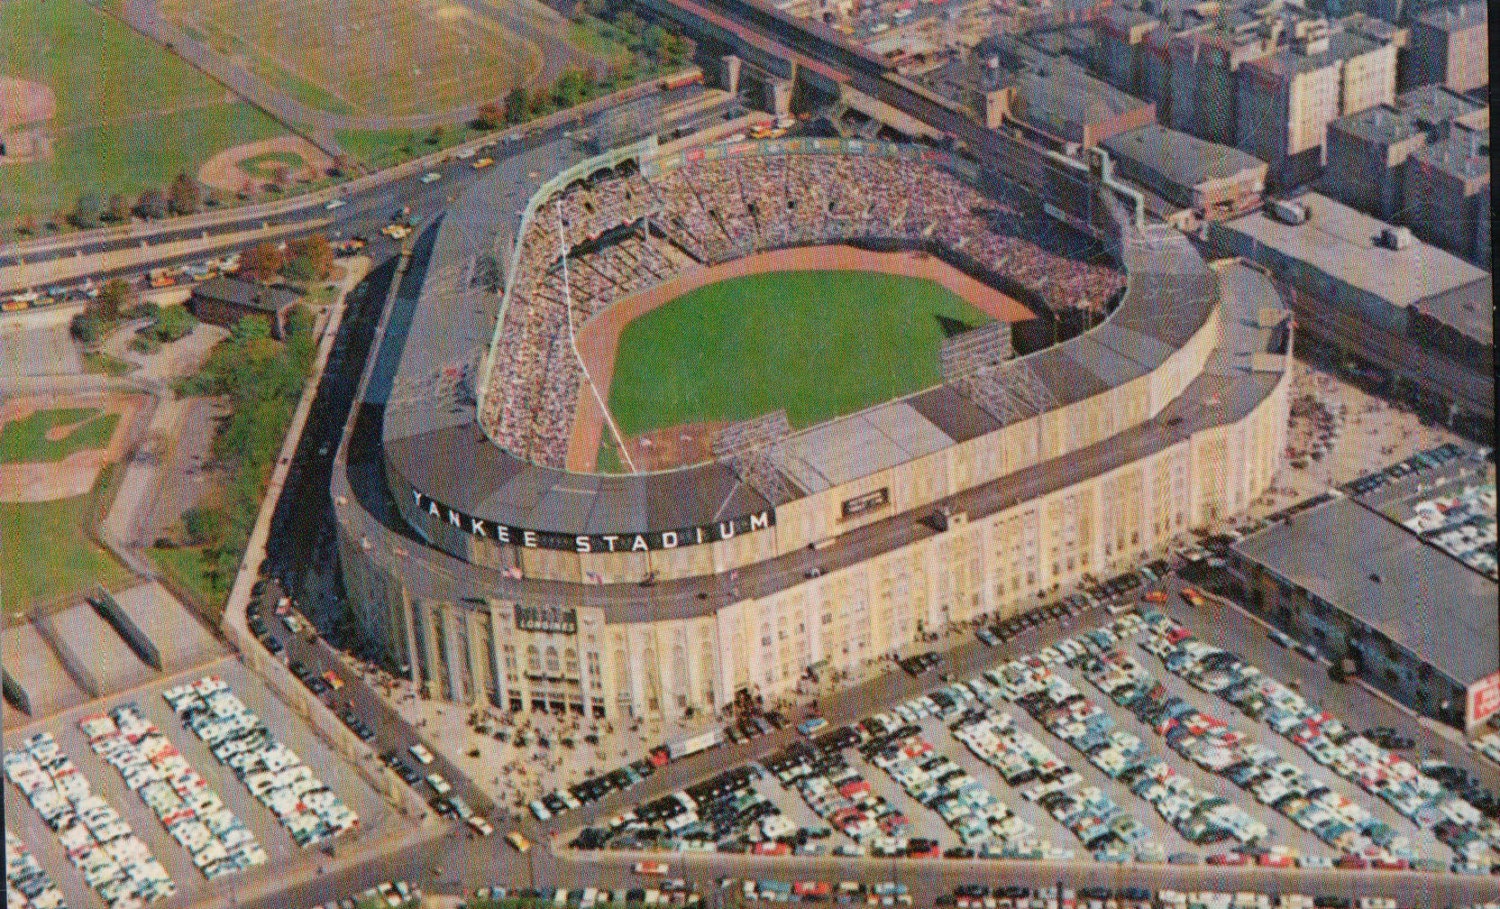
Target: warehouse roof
(1358, 561)
(1060, 92)
(1340, 242)
(1180, 158)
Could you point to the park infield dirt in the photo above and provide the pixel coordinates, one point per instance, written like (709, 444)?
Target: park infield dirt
(677, 446)
(223, 170)
(46, 481)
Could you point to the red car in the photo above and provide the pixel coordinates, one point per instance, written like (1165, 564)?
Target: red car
(1275, 860)
(1353, 862)
(1390, 864)
(1228, 858)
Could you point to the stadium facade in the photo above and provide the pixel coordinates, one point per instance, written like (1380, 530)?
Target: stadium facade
(497, 576)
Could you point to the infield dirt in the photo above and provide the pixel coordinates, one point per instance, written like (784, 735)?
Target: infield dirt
(73, 475)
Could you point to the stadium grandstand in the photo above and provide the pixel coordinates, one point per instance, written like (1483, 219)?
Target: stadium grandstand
(496, 575)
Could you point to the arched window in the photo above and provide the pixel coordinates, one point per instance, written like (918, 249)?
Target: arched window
(552, 667)
(533, 659)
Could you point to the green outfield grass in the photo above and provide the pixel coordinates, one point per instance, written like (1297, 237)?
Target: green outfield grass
(130, 115)
(48, 558)
(819, 344)
(25, 440)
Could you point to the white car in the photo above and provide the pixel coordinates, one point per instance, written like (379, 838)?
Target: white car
(420, 752)
(335, 203)
(431, 176)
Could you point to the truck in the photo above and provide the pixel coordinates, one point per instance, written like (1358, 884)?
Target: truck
(694, 743)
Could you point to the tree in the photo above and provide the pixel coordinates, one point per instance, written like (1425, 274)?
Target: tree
(299, 320)
(569, 88)
(596, 8)
(308, 259)
(152, 204)
(281, 175)
(340, 165)
(436, 136)
(541, 102)
(118, 210)
(491, 115)
(250, 328)
(203, 526)
(86, 211)
(87, 327)
(184, 195)
(216, 198)
(26, 224)
(261, 262)
(173, 324)
(515, 106)
(114, 298)
(630, 23)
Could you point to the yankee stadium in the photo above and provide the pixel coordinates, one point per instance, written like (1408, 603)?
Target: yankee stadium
(617, 455)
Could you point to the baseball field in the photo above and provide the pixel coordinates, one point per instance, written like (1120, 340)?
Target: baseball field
(123, 114)
(817, 343)
(393, 58)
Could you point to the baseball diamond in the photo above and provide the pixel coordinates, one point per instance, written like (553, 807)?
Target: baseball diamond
(831, 535)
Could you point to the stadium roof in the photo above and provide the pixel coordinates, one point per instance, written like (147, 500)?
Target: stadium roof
(1340, 242)
(1226, 391)
(442, 319)
(858, 445)
(1376, 571)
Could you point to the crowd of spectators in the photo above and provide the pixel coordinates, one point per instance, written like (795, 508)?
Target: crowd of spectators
(624, 233)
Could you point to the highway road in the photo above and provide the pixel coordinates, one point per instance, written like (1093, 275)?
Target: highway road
(366, 210)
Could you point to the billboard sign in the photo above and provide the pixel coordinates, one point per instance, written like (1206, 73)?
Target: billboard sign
(1484, 699)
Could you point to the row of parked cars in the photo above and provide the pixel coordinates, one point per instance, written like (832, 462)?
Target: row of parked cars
(591, 790)
(724, 813)
(975, 814)
(392, 894)
(27, 886)
(1473, 837)
(836, 792)
(273, 773)
(843, 893)
(179, 796)
(667, 893)
(115, 862)
(978, 896)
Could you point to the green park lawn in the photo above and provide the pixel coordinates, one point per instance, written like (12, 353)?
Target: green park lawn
(817, 343)
(25, 440)
(48, 557)
(130, 115)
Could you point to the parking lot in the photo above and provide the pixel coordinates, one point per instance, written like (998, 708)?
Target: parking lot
(112, 786)
(1091, 745)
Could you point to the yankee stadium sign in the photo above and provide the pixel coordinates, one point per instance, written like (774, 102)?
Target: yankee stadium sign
(607, 542)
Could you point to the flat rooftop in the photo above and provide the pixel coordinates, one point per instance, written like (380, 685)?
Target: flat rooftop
(1379, 124)
(1430, 105)
(1340, 242)
(1357, 560)
(1060, 91)
(1455, 18)
(1464, 155)
(1180, 158)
